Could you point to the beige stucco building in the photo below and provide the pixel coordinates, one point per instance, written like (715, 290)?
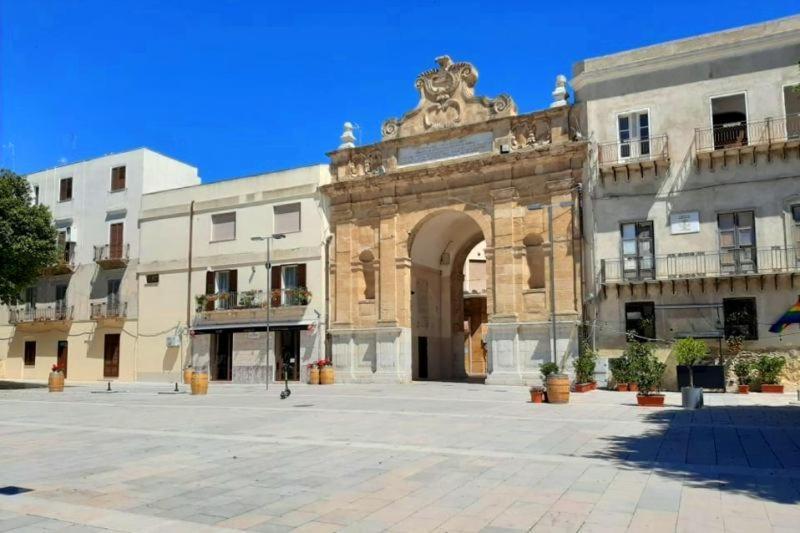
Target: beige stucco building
(406, 212)
(83, 313)
(692, 218)
(203, 281)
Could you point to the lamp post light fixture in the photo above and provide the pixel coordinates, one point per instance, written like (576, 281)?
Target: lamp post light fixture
(549, 208)
(268, 264)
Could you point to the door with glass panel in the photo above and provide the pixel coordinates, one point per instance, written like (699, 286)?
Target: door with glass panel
(221, 287)
(634, 135)
(112, 298)
(289, 283)
(737, 242)
(638, 261)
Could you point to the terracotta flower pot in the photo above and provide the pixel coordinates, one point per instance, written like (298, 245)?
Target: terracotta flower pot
(772, 388)
(537, 396)
(744, 389)
(583, 387)
(633, 387)
(594, 385)
(622, 387)
(650, 400)
(313, 375)
(55, 382)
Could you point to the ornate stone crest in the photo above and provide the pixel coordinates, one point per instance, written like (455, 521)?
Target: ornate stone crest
(447, 99)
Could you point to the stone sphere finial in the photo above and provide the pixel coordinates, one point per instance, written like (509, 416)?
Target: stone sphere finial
(347, 137)
(560, 94)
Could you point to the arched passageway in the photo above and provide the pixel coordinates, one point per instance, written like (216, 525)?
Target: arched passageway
(448, 316)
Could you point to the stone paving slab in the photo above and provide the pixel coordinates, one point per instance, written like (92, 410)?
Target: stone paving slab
(419, 457)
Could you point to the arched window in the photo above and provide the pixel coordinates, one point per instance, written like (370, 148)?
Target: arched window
(534, 253)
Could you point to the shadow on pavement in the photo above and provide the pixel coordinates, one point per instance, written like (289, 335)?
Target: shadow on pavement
(13, 385)
(744, 449)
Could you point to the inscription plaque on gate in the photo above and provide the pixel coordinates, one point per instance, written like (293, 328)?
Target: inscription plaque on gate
(478, 143)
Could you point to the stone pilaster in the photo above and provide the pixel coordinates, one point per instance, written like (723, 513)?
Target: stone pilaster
(504, 289)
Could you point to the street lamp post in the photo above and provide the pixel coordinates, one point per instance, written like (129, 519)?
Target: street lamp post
(549, 208)
(268, 238)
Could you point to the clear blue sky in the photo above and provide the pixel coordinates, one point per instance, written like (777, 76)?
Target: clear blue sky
(237, 87)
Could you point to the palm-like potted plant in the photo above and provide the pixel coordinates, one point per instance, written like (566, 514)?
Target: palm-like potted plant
(620, 372)
(584, 368)
(743, 370)
(647, 372)
(691, 352)
(768, 369)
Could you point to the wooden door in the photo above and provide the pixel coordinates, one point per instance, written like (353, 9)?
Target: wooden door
(115, 241)
(111, 356)
(61, 357)
(475, 318)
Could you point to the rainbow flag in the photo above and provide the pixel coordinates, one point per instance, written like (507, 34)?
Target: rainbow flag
(792, 316)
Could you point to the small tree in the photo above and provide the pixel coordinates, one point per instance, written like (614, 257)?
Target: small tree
(690, 352)
(585, 364)
(546, 369)
(620, 369)
(27, 237)
(743, 369)
(646, 370)
(769, 368)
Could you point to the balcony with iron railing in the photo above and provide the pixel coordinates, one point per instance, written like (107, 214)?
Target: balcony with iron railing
(112, 255)
(65, 260)
(697, 265)
(251, 305)
(30, 316)
(636, 156)
(767, 136)
(109, 311)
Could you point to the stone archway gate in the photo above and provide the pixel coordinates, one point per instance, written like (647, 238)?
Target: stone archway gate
(475, 155)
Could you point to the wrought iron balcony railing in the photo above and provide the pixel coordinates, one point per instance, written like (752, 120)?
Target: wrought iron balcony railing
(65, 260)
(111, 252)
(112, 309)
(252, 299)
(690, 265)
(59, 311)
(771, 130)
(639, 150)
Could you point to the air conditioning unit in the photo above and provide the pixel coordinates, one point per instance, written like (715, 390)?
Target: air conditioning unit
(173, 341)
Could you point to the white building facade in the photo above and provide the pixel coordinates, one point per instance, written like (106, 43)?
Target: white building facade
(204, 280)
(692, 208)
(83, 313)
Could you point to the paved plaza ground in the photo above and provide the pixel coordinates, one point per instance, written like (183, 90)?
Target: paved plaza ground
(419, 457)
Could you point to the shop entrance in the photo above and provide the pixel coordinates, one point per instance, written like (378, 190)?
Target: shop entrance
(287, 352)
(222, 356)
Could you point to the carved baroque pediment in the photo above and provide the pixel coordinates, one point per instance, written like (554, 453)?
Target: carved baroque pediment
(447, 99)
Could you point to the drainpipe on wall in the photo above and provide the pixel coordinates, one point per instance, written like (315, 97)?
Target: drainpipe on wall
(189, 287)
(328, 240)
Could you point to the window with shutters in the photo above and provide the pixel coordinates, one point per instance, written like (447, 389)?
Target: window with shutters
(288, 284)
(223, 227)
(152, 279)
(65, 190)
(118, 178)
(737, 242)
(287, 218)
(30, 353)
(222, 287)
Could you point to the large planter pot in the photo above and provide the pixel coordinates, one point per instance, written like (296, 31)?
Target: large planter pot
(594, 385)
(187, 376)
(744, 389)
(313, 375)
(772, 388)
(583, 387)
(692, 397)
(650, 400)
(55, 382)
(633, 387)
(200, 383)
(622, 387)
(558, 388)
(326, 375)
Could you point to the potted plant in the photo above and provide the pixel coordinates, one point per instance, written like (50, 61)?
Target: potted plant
(187, 374)
(584, 368)
(743, 370)
(557, 384)
(313, 374)
(247, 299)
(537, 394)
(620, 372)
(200, 302)
(55, 382)
(646, 371)
(768, 369)
(326, 376)
(199, 383)
(691, 352)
